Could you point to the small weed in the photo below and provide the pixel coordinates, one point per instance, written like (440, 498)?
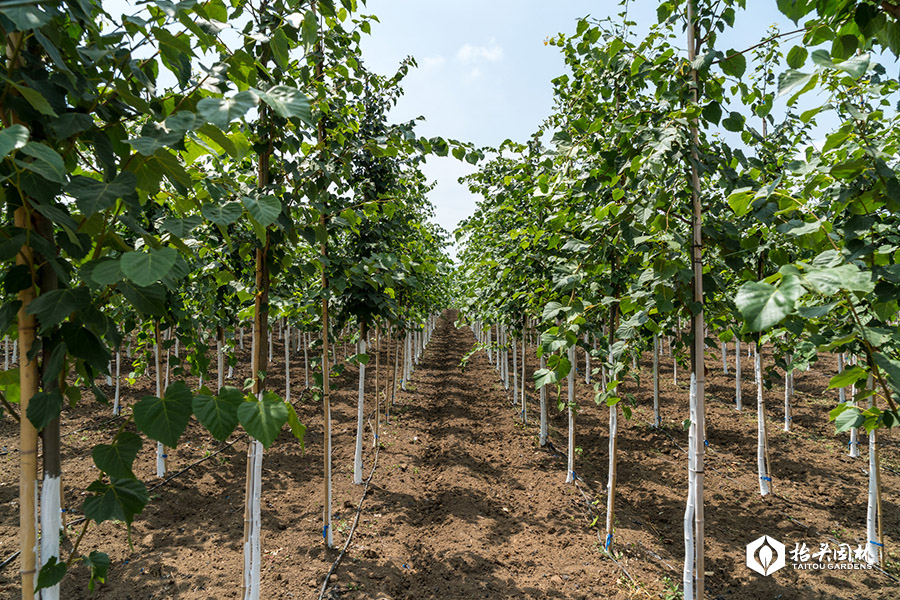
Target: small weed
(673, 589)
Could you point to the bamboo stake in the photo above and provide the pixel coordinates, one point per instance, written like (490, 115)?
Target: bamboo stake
(570, 471)
(327, 531)
(377, 386)
(360, 409)
(161, 457)
(28, 387)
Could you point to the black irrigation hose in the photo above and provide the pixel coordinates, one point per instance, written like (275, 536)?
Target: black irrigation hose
(10, 559)
(98, 426)
(340, 556)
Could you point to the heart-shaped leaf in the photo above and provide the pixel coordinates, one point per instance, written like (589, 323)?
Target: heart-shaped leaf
(263, 420)
(165, 419)
(144, 268)
(219, 413)
(117, 458)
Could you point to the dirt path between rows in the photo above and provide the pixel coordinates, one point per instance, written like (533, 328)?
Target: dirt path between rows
(464, 504)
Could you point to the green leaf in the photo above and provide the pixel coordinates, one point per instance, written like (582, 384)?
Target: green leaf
(106, 271)
(263, 420)
(181, 227)
(218, 414)
(762, 305)
(795, 9)
(94, 196)
(98, 563)
(792, 80)
(856, 66)
(310, 28)
(219, 138)
(712, 112)
(120, 500)
(847, 377)
(223, 215)
(52, 308)
(734, 122)
(823, 58)
(50, 574)
(145, 268)
(815, 312)
(36, 100)
(287, 102)
(9, 385)
(735, 65)
(47, 162)
(222, 111)
(297, 428)
(849, 169)
(12, 138)
(891, 368)
(850, 418)
(116, 459)
(796, 58)
(148, 145)
(150, 300)
(264, 209)
(43, 408)
(544, 377)
(181, 121)
(847, 277)
(71, 123)
(828, 258)
(26, 17)
(741, 200)
(84, 344)
(165, 419)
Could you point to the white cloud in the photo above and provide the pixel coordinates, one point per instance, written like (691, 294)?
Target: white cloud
(470, 54)
(432, 62)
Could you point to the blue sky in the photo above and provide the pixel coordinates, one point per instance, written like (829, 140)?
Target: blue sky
(484, 71)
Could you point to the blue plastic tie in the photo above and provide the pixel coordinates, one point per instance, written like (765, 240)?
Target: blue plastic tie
(851, 442)
(766, 478)
(164, 456)
(608, 541)
(376, 436)
(706, 442)
(574, 476)
(876, 543)
(325, 532)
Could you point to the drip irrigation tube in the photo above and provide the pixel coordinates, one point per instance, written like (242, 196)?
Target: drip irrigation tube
(340, 556)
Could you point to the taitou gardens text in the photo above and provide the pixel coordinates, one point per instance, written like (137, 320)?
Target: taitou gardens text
(214, 233)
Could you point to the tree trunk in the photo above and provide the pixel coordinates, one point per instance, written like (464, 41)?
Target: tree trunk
(698, 325)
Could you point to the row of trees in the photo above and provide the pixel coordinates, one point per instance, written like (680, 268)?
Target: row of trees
(195, 168)
(672, 193)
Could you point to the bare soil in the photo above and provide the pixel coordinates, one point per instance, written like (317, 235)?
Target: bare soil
(465, 504)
